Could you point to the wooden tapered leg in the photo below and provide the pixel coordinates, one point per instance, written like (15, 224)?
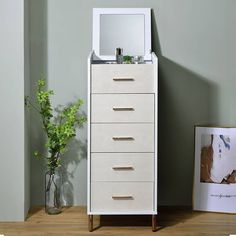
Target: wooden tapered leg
(90, 223)
(154, 223)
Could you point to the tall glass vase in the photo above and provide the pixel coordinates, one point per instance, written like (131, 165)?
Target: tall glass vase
(53, 192)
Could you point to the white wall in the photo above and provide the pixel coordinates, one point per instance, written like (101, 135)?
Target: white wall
(12, 158)
(195, 43)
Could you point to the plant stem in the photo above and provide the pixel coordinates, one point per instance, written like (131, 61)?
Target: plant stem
(49, 183)
(55, 199)
(32, 105)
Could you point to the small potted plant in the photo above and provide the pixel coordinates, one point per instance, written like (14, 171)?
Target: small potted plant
(59, 131)
(127, 59)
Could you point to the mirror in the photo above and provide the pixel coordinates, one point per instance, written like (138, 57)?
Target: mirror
(127, 28)
(131, 39)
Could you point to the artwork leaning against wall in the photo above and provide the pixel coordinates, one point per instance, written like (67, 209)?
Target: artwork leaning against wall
(215, 169)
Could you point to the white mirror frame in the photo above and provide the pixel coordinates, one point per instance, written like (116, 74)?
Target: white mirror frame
(97, 12)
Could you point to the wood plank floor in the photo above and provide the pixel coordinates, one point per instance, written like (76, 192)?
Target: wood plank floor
(73, 221)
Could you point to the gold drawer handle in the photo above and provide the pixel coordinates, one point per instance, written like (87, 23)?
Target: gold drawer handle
(122, 197)
(123, 168)
(122, 138)
(123, 109)
(123, 79)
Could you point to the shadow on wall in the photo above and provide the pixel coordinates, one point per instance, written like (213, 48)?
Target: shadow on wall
(185, 99)
(77, 151)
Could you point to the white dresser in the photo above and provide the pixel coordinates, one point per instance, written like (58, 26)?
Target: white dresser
(122, 139)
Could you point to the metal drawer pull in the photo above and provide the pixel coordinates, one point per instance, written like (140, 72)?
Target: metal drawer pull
(123, 168)
(122, 197)
(123, 109)
(123, 79)
(122, 138)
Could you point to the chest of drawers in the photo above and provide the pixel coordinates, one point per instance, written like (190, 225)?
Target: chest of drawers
(122, 139)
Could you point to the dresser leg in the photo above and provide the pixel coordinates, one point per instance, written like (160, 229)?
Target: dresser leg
(154, 223)
(90, 223)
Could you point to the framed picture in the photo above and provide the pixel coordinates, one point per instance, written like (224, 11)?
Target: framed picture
(215, 169)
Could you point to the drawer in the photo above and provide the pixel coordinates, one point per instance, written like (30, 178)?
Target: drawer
(122, 108)
(122, 137)
(121, 197)
(123, 78)
(122, 166)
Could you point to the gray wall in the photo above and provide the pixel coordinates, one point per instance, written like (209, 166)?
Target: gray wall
(27, 112)
(13, 200)
(195, 43)
(38, 67)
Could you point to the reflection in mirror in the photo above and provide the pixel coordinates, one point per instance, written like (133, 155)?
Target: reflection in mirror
(122, 30)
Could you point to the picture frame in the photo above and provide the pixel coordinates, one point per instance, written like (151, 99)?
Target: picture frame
(214, 187)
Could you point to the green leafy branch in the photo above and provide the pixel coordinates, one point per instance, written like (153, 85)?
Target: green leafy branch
(59, 131)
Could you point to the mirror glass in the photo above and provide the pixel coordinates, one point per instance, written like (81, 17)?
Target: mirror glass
(127, 28)
(122, 31)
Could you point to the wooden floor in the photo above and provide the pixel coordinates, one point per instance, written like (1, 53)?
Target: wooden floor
(73, 221)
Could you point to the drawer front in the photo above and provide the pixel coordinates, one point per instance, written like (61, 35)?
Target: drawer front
(122, 166)
(123, 78)
(122, 137)
(121, 197)
(122, 108)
